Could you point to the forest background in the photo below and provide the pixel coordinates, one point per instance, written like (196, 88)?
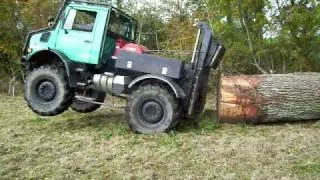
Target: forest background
(261, 36)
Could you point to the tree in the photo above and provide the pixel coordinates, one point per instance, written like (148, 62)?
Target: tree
(11, 34)
(261, 36)
(300, 23)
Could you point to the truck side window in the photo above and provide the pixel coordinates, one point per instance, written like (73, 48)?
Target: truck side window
(121, 26)
(84, 21)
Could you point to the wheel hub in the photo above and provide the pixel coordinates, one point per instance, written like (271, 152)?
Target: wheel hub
(46, 91)
(152, 112)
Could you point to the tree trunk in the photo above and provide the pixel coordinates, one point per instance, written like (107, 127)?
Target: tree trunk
(269, 98)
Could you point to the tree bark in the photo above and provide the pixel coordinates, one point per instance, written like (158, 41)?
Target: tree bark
(269, 98)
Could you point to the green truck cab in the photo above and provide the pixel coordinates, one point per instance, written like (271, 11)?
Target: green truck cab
(89, 51)
(88, 27)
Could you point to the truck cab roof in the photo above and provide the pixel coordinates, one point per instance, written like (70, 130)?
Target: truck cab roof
(98, 4)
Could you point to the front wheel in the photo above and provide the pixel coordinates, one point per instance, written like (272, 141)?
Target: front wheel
(152, 109)
(47, 91)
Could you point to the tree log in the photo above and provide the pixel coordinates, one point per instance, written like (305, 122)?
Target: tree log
(269, 98)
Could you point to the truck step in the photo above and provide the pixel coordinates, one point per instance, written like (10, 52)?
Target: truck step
(81, 84)
(88, 100)
(79, 69)
(109, 74)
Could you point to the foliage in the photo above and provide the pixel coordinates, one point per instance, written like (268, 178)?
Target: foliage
(262, 36)
(11, 37)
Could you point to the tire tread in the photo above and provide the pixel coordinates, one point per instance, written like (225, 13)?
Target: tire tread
(160, 90)
(67, 93)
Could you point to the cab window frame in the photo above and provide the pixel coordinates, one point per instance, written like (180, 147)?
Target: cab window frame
(71, 20)
(118, 16)
(88, 29)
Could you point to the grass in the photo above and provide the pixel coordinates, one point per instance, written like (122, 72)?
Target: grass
(100, 146)
(309, 168)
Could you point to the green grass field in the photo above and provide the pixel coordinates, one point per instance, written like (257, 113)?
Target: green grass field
(100, 146)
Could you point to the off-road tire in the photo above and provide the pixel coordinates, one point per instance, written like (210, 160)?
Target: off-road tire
(87, 107)
(153, 94)
(57, 103)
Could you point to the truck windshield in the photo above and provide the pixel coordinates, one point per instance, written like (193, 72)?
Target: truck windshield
(121, 26)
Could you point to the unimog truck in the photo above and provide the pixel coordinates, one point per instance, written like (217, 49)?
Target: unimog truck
(89, 51)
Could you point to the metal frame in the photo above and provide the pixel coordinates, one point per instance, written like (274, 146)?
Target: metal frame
(196, 46)
(200, 66)
(100, 4)
(65, 2)
(179, 93)
(216, 56)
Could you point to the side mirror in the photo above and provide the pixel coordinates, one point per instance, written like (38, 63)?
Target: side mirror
(50, 21)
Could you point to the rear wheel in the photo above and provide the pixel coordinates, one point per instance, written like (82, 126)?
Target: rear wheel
(47, 91)
(88, 107)
(152, 109)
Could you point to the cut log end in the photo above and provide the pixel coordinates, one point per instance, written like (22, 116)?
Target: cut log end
(268, 98)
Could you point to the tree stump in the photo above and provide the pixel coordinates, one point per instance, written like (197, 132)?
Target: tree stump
(269, 98)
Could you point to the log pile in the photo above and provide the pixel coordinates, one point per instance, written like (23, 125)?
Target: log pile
(269, 98)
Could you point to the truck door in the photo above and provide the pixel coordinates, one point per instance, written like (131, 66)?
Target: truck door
(76, 37)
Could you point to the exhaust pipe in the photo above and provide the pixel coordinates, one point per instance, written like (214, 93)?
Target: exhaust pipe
(111, 84)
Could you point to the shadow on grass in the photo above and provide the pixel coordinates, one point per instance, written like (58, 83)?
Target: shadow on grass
(205, 123)
(95, 120)
(286, 122)
(116, 121)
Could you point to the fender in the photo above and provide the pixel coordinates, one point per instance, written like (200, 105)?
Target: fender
(180, 94)
(68, 64)
(66, 61)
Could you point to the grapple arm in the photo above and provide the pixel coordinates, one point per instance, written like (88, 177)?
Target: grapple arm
(208, 54)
